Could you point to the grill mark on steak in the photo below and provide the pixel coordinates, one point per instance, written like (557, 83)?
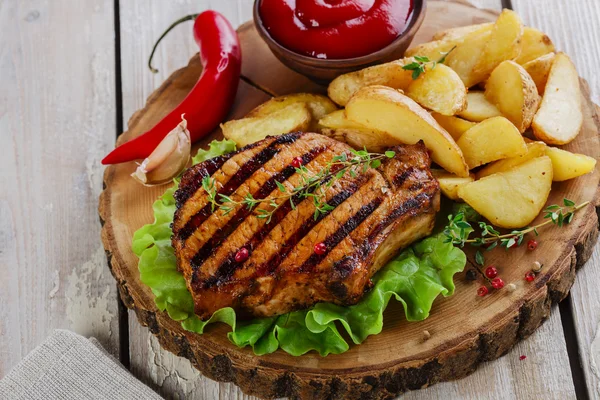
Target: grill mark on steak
(215, 241)
(334, 239)
(229, 266)
(245, 172)
(411, 205)
(192, 179)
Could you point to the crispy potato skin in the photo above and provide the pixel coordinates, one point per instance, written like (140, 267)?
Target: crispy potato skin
(513, 92)
(560, 116)
(534, 44)
(511, 199)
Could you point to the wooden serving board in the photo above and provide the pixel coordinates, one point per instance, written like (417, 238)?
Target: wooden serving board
(464, 329)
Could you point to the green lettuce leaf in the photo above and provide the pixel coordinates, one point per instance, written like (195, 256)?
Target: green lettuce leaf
(416, 277)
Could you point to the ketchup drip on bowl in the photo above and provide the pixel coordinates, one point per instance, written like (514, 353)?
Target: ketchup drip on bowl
(335, 29)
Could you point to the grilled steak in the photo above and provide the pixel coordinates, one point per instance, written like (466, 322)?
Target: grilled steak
(375, 214)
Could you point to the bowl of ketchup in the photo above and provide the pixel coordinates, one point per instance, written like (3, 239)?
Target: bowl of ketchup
(326, 38)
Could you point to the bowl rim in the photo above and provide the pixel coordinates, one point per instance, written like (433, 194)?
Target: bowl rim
(416, 19)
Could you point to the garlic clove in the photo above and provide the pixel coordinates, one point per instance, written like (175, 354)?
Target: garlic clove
(168, 160)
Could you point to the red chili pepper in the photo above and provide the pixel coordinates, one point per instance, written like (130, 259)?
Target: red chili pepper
(210, 99)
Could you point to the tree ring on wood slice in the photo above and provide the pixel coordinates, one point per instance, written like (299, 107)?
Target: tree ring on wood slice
(464, 329)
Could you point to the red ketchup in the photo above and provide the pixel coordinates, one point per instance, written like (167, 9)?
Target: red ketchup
(335, 29)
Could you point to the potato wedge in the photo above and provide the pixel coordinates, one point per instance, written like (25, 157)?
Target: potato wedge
(567, 165)
(534, 44)
(493, 139)
(389, 74)
(539, 69)
(479, 108)
(439, 89)
(511, 199)
(560, 116)
(386, 109)
(513, 92)
(460, 32)
(534, 150)
(454, 125)
(449, 183)
(504, 44)
(294, 117)
(318, 105)
(337, 126)
(466, 55)
(434, 50)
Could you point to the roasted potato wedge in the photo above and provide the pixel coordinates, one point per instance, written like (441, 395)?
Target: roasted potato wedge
(294, 117)
(318, 105)
(389, 74)
(511, 199)
(493, 139)
(560, 116)
(460, 32)
(388, 110)
(539, 69)
(567, 165)
(534, 150)
(465, 57)
(513, 92)
(534, 44)
(449, 183)
(439, 89)
(337, 126)
(434, 50)
(504, 44)
(479, 108)
(454, 125)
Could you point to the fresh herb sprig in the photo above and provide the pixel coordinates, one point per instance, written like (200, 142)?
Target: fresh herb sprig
(422, 62)
(312, 185)
(458, 230)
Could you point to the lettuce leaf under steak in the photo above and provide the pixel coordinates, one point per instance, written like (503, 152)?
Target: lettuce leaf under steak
(414, 278)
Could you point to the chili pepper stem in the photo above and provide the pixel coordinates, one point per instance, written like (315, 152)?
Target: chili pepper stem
(525, 231)
(190, 17)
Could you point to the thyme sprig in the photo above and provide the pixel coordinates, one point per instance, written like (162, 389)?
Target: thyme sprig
(311, 185)
(421, 62)
(458, 230)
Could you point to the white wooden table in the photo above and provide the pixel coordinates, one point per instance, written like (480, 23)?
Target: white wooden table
(71, 74)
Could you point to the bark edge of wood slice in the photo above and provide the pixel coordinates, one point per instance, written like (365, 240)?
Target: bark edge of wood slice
(400, 358)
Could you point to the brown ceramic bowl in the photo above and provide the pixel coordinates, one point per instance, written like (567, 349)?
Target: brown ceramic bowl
(324, 71)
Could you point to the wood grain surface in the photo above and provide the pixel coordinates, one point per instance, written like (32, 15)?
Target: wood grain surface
(263, 58)
(573, 29)
(57, 120)
(49, 102)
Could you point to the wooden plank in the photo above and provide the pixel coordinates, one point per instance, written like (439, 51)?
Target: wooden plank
(573, 27)
(57, 107)
(141, 23)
